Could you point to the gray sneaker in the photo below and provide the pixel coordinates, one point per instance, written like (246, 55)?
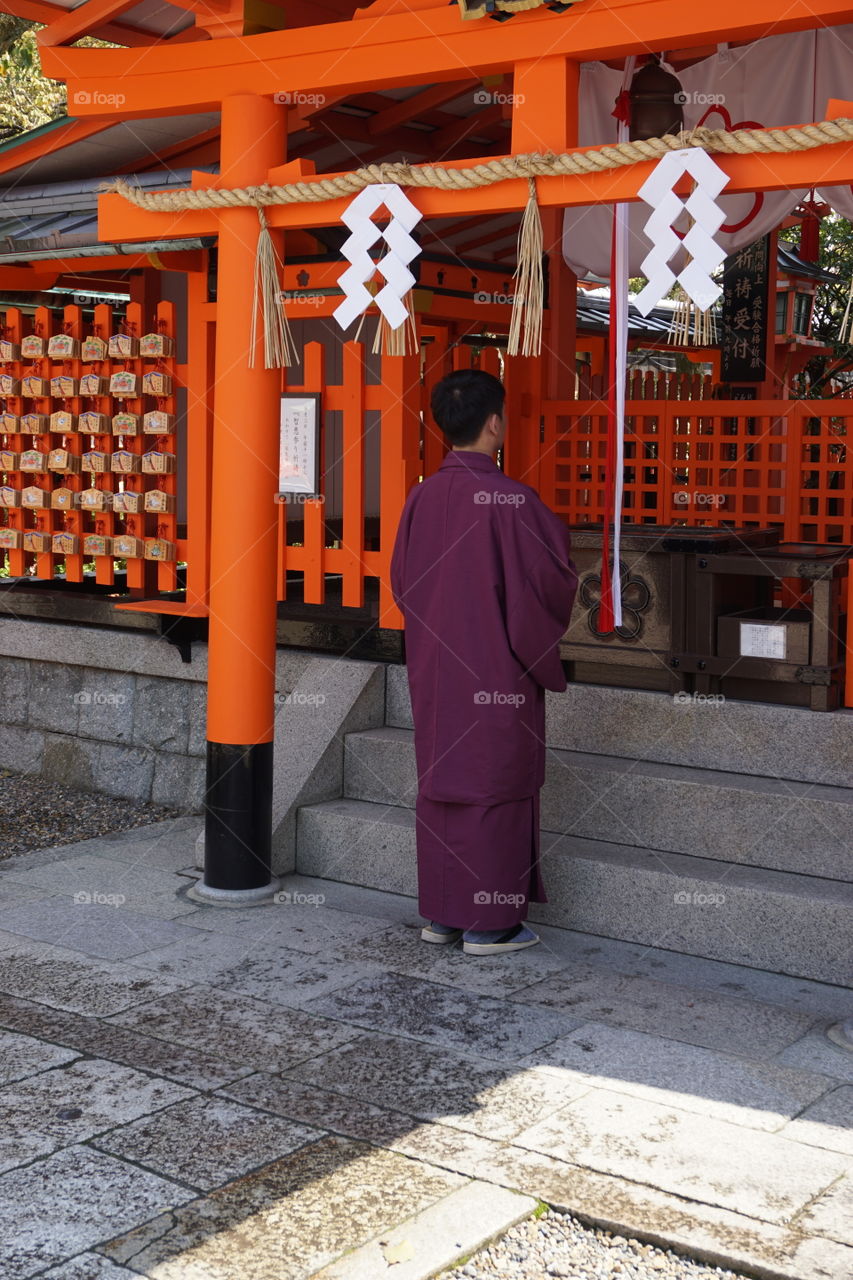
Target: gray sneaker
(495, 942)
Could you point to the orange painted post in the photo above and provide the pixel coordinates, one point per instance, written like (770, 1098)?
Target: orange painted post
(352, 540)
(244, 518)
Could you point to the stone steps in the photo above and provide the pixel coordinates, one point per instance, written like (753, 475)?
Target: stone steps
(739, 819)
(774, 920)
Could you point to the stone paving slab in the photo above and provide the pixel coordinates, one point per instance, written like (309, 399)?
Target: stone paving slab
(478, 1095)
(190, 1066)
(206, 1142)
(832, 1213)
(679, 1013)
(703, 1159)
(299, 926)
(251, 1031)
(255, 966)
(760, 1095)
(132, 880)
(827, 1123)
(449, 1017)
(22, 1056)
(105, 1094)
(288, 1220)
(89, 1266)
(71, 1201)
(95, 928)
(816, 1053)
(458, 1224)
(69, 980)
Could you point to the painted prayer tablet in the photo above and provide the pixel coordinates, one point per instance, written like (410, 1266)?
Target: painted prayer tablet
(124, 460)
(160, 501)
(95, 500)
(159, 549)
(127, 502)
(124, 383)
(154, 345)
(34, 497)
(96, 460)
(155, 383)
(33, 347)
(123, 346)
(62, 499)
(63, 422)
(92, 384)
(9, 351)
(32, 460)
(94, 424)
(63, 347)
(66, 544)
(158, 423)
(125, 424)
(63, 460)
(128, 547)
(36, 541)
(93, 349)
(10, 423)
(157, 463)
(10, 539)
(9, 497)
(9, 385)
(33, 424)
(95, 544)
(63, 386)
(35, 387)
(8, 460)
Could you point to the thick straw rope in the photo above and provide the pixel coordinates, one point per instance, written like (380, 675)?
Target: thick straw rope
(599, 159)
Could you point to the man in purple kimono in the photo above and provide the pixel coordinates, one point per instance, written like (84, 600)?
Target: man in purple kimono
(482, 573)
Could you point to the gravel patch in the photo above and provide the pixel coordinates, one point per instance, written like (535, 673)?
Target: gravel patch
(35, 814)
(556, 1246)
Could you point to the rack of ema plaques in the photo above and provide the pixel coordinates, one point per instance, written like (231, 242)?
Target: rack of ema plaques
(88, 446)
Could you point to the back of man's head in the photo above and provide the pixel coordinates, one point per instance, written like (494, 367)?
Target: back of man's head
(463, 402)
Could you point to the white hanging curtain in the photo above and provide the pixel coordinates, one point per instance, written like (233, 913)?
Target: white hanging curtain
(781, 80)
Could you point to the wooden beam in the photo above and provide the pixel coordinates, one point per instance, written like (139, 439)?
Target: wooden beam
(395, 50)
(43, 12)
(437, 95)
(474, 126)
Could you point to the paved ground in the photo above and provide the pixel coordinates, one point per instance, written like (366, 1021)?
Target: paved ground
(306, 1089)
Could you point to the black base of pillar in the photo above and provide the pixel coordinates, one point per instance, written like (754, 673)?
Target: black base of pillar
(238, 816)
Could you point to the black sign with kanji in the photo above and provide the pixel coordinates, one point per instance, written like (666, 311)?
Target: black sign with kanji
(744, 315)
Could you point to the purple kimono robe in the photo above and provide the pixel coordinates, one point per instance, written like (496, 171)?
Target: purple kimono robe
(482, 573)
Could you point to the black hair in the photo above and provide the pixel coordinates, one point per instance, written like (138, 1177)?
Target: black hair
(463, 401)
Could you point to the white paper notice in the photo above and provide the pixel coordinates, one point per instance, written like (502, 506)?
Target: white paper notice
(759, 641)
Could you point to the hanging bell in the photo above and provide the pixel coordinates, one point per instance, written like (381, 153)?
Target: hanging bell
(657, 103)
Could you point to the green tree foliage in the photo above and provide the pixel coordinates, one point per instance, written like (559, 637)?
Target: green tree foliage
(836, 255)
(27, 99)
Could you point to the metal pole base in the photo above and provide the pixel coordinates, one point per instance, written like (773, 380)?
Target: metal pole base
(238, 823)
(201, 892)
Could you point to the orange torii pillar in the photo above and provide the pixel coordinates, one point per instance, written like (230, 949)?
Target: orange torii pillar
(244, 523)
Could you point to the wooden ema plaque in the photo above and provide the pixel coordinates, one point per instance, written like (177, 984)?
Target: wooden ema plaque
(63, 422)
(34, 498)
(35, 540)
(160, 501)
(123, 347)
(10, 539)
(158, 423)
(8, 460)
(33, 460)
(92, 384)
(63, 347)
(128, 502)
(64, 461)
(96, 544)
(93, 349)
(34, 387)
(124, 384)
(33, 347)
(9, 385)
(125, 424)
(10, 352)
(96, 461)
(95, 500)
(93, 424)
(10, 423)
(64, 387)
(126, 547)
(155, 383)
(62, 499)
(157, 463)
(65, 544)
(124, 461)
(160, 549)
(156, 346)
(34, 424)
(9, 496)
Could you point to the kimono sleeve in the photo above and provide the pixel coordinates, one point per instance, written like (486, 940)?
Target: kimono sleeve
(539, 597)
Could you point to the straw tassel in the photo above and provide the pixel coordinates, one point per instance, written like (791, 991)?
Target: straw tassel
(279, 349)
(402, 341)
(692, 327)
(530, 288)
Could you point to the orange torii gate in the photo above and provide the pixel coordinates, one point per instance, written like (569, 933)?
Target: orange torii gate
(252, 78)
